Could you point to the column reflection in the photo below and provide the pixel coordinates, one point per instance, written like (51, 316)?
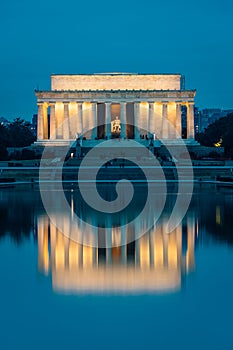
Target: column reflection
(157, 262)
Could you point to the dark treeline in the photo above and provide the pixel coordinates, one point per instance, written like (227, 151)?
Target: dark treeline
(16, 134)
(220, 132)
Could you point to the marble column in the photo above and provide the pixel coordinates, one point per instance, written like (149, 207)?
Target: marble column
(164, 122)
(73, 111)
(123, 119)
(94, 121)
(66, 133)
(136, 121)
(79, 120)
(158, 115)
(52, 121)
(144, 117)
(40, 123)
(108, 118)
(178, 121)
(190, 121)
(151, 123)
(171, 116)
(45, 120)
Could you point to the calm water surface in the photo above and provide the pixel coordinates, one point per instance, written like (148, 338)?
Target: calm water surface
(160, 292)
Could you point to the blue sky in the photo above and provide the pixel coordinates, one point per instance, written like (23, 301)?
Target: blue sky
(194, 38)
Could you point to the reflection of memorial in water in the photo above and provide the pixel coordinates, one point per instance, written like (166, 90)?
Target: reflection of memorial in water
(154, 263)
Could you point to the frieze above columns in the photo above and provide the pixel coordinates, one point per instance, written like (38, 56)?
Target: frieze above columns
(114, 96)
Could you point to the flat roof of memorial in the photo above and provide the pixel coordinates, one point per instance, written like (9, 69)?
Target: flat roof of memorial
(116, 73)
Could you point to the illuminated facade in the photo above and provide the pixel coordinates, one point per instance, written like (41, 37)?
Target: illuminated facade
(89, 105)
(153, 263)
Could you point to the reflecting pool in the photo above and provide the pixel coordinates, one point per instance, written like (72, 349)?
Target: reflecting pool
(159, 291)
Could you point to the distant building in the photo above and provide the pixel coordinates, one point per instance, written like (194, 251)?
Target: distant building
(197, 125)
(208, 116)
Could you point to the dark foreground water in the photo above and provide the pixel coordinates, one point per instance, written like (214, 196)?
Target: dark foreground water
(161, 292)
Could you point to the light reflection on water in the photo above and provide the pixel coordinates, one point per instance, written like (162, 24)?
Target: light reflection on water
(154, 263)
(157, 262)
(162, 291)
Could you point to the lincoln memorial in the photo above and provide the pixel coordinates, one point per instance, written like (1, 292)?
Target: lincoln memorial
(109, 105)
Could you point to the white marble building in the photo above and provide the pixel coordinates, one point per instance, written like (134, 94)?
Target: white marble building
(147, 105)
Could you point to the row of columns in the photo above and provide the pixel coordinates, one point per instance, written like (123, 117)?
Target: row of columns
(66, 124)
